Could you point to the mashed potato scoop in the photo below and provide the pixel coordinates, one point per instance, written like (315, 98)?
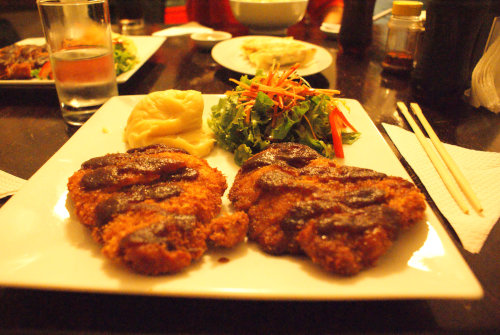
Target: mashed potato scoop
(171, 117)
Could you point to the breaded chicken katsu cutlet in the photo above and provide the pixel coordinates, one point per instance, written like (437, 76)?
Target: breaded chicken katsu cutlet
(153, 208)
(344, 218)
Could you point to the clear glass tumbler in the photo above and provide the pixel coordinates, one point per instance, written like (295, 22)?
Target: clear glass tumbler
(78, 35)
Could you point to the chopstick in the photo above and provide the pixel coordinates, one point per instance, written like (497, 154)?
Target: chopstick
(441, 169)
(382, 14)
(450, 163)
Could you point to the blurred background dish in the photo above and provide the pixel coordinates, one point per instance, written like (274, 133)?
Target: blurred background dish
(206, 40)
(146, 47)
(268, 17)
(230, 54)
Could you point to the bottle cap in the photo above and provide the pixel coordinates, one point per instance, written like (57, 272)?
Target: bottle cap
(406, 8)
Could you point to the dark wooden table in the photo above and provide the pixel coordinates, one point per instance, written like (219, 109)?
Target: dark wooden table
(31, 130)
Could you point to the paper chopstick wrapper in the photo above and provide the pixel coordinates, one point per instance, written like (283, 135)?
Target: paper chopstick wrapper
(482, 170)
(9, 184)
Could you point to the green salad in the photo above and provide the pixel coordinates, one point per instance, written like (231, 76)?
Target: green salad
(124, 53)
(279, 107)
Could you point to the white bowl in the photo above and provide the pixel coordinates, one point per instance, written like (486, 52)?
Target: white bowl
(271, 17)
(208, 39)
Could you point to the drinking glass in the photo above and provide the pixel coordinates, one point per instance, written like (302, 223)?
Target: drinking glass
(130, 17)
(78, 35)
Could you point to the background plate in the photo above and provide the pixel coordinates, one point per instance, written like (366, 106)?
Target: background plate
(146, 47)
(42, 245)
(230, 55)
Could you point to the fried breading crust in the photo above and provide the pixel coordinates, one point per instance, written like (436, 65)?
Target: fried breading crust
(344, 218)
(151, 207)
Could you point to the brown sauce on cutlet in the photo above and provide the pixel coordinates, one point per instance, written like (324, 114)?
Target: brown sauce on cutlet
(156, 149)
(302, 211)
(341, 173)
(358, 222)
(351, 173)
(276, 179)
(112, 175)
(107, 160)
(145, 165)
(128, 195)
(114, 159)
(121, 202)
(183, 174)
(158, 232)
(289, 154)
(363, 197)
(101, 177)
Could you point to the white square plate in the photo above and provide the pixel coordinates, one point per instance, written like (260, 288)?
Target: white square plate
(42, 244)
(146, 47)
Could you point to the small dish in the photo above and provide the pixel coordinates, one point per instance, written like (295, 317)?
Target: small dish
(208, 39)
(331, 29)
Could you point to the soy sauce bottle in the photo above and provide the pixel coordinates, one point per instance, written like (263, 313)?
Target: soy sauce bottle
(405, 28)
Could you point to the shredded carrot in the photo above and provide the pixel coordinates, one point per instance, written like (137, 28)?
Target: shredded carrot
(285, 90)
(248, 109)
(270, 77)
(280, 101)
(310, 126)
(287, 74)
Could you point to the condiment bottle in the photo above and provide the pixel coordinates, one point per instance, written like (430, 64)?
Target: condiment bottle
(355, 34)
(452, 33)
(404, 30)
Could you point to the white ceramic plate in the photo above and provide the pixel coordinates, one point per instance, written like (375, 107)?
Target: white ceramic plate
(43, 246)
(230, 55)
(146, 47)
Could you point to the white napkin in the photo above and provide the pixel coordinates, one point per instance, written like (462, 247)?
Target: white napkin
(482, 170)
(9, 184)
(184, 29)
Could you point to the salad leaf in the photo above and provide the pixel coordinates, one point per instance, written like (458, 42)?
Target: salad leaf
(124, 54)
(34, 73)
(242, 153)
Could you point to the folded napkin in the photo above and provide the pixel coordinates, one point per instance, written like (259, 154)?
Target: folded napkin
(184, 29)
(482, 170)
(9, 184)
